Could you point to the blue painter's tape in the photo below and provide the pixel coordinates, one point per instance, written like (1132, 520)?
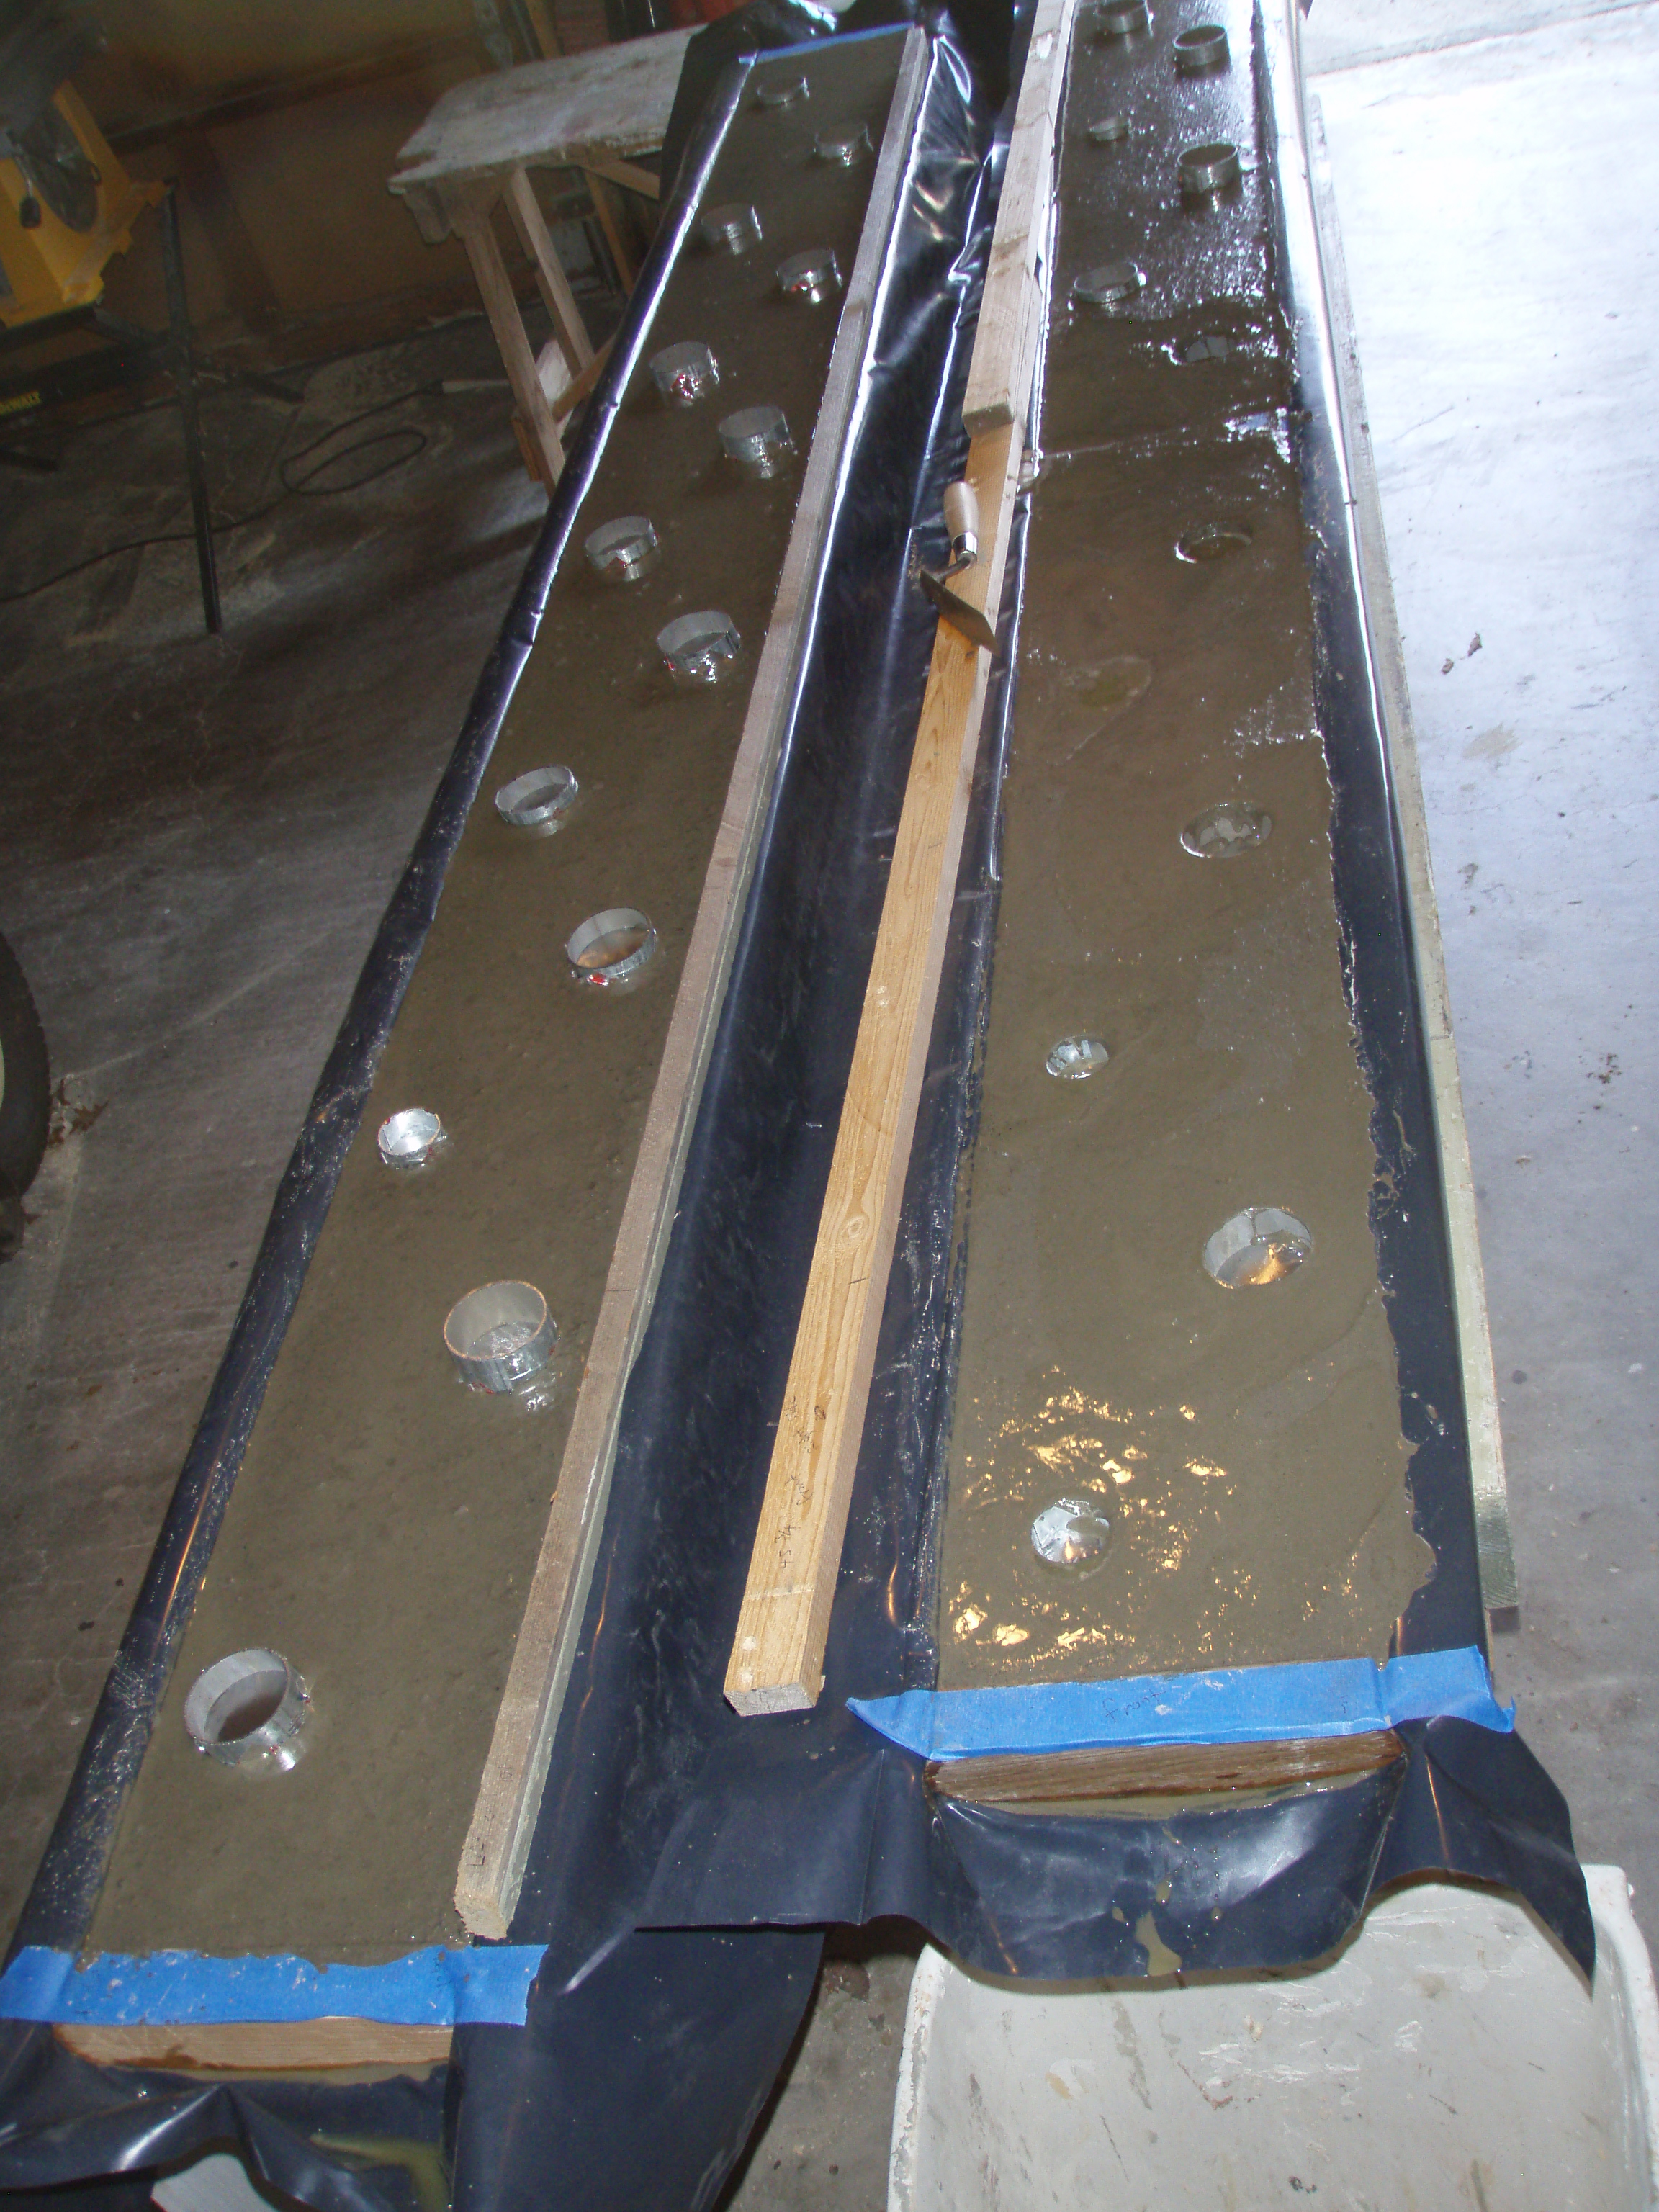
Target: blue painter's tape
(433, 1988)
(1233, 1704)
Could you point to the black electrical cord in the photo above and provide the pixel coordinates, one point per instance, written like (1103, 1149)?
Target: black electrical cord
(409, 441)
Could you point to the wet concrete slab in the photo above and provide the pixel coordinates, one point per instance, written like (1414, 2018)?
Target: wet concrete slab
(387, 1520)
(1237, 1445)
(1157, 1464)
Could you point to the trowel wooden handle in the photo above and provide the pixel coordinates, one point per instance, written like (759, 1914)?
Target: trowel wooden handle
(961, 512)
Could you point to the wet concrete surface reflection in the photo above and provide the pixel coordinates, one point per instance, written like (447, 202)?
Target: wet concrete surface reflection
(1243, 1443)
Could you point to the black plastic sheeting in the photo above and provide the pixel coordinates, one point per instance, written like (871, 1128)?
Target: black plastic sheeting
(640, 2087)
(663, 1807)
(686, 1861)
(983, 29)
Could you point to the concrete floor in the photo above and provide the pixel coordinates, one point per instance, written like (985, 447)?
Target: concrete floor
(200, 835)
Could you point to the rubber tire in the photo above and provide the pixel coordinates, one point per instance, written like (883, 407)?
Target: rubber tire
(25, 1077)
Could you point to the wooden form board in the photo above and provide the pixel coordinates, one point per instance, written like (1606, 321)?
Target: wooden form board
(776, 1662)
(1172, 1769)
(777, 1654)
(612, 103)
(1006, 344)
(492, 1863)
(1500, 1589)
(261, 2047)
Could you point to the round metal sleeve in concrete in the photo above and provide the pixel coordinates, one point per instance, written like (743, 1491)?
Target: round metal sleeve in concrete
(1262, 1244)
(699, 648)
(500, 1334)
(1224, 831)
(1123, 19)
(611, 946)
(408, 1139)
(1073, 1533)
(841, 150)
(811, 277)
(1202, 49)
(1077, 1058)
(781, 92)
(1207, 170)
(540, 796)
(1213, 541)
(757, 438)
(685, 374)
(1109, 286)
(1110, 130)
(246, 1708)
(621, 551)
(730, 230)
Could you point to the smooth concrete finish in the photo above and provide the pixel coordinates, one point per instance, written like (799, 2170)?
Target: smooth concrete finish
(1497, 199)
(200, 834)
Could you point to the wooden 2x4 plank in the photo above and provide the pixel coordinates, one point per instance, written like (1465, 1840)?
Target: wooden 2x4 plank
(776, 1662)
(1005, 348)
(492, 1863)
(777, 1654)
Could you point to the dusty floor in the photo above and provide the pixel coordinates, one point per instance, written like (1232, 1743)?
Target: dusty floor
(200, 835)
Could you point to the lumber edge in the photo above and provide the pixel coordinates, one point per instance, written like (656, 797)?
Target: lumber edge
(1000, 374)
(258, 2047)
(1160, 1770)
(776, 1660)
(491, 1869)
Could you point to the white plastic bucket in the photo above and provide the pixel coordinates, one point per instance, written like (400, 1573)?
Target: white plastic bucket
(1449, 2056)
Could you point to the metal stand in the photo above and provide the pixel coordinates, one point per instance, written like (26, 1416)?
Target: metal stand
(128, 356)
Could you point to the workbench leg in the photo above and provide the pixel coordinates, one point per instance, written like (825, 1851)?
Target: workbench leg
(478, 237)
(184, 376)
(552, 282)
(604, 198)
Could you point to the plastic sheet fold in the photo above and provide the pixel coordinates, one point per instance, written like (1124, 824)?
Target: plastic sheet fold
(686, 1861)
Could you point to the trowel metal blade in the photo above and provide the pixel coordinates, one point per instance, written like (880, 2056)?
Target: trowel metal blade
(958, 612)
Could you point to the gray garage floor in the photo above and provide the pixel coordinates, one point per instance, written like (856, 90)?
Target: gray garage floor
(198, 837)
